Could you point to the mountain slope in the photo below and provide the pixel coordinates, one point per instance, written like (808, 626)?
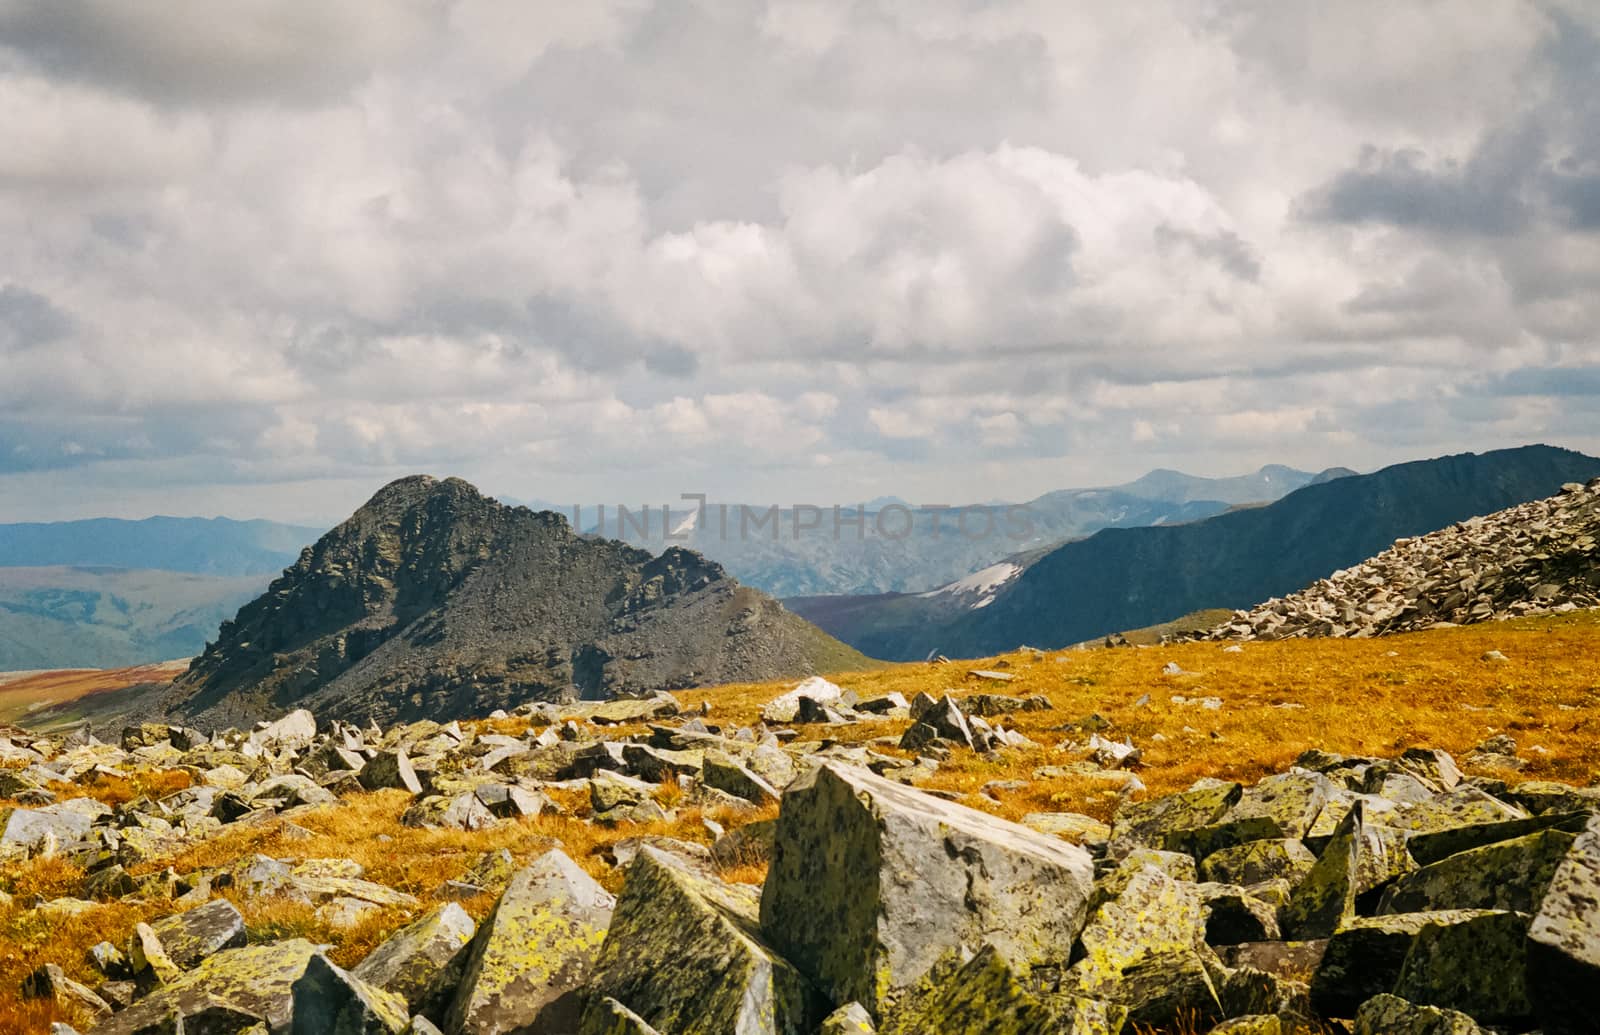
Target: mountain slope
(1533, 558)
(202, 546)
(1130, 578)
(435, 601)
(111, 617)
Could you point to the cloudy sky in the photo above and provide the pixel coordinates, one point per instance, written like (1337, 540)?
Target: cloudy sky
(792, 250)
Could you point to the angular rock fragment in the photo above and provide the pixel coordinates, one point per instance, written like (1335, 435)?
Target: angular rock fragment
(1476, 965)
(1257, 861)
(609, 1017)
(1164, 823)
(1145, 949)
(390, 769)
(1391, 1015)
(727, 774)
(1564, 941)
(840, 904)
(191, 936)
(422, 958)
(329, 1001)
(252, 983)
(1359, 859)
(461, 812)
(1280, 806)
(685, 954)
(1509, 875)
(985, 996)
(849, 1019)
(533, 953)
(1365, 956)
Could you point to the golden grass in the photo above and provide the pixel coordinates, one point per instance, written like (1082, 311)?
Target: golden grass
(1355, 696)
(20, 697)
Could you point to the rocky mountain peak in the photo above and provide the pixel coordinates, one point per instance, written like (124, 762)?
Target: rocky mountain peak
(433, 598)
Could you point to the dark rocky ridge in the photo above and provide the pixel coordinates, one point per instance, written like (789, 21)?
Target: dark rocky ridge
(433, 600)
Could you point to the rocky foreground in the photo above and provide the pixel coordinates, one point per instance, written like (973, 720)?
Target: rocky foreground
(1538, 558)
(1390, 896)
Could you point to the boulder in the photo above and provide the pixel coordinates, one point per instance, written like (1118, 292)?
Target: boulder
(33, 828)
(985, 996)
(50, 982)
(297, 729)
(1145, 949)
(685, 954)
(785, 708)
(390, 769)
(460, 812)
(1165, 823)
(1391, 1015)
(1364, 958)
(609, 1017)
(251, 984)
(329, 1001)
(533, 953)
(1360, 858)
(195, 934)
(727, 774)
(849, 1019)
(839, 904)
(1509, 875)
(1564, 941)
(422, 958)
(1278, 807)
(1256, 861)
(1476, 965)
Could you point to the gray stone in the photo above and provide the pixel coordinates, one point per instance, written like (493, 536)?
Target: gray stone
(191, 936)
(837, 901)
(849, 1019)
(248, 984)
(987, 996)
(426, 956)
(1564, 941)
(1256, 861)
(1391, 1015)
(1165, 823)
(329, 1001)
(50, 982)
(390, 769)
(727, 774)
(1365, 956)
(534, 953)
(460, 812)
(1476, 965)
(684, 952)
(1509, 875)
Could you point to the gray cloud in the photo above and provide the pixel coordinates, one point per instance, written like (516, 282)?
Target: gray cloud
(840, 248)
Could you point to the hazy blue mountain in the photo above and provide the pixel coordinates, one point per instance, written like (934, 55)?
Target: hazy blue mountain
(60, 617)
(203, 546)
(901, 547)
(1128, 578)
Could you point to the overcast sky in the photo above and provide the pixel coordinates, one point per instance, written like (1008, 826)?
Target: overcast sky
(781, 251)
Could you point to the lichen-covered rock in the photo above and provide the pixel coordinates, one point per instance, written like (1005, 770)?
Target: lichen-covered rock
(533, 953)
(1280, 806)
(1429, 848)
(609, 1017)
(1145, 949)
(1564, 941)
(1250, 1024)
(985, 996)
(1246, 991)
(1360, 858)
(1391, 1015)
(684, 952)
(1509, 875)
(1165, 823)
(191, 936)
(251, 983)
(419, 960)
(1476, 965)
(1234, 915)
(1070, 826)
(1463, 807)
(459, 812)
(871, 882)
(1297, 961)
(1256, 861)
(329, 1001)
(849, 1019)
(1364, 958)
(727, 774)
(51, 982)
(390, 769)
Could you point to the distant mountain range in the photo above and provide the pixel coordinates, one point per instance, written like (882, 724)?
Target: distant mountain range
(435, 601)
(60, 617)
(200, 546)
(1127, 578)
(899, 547)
